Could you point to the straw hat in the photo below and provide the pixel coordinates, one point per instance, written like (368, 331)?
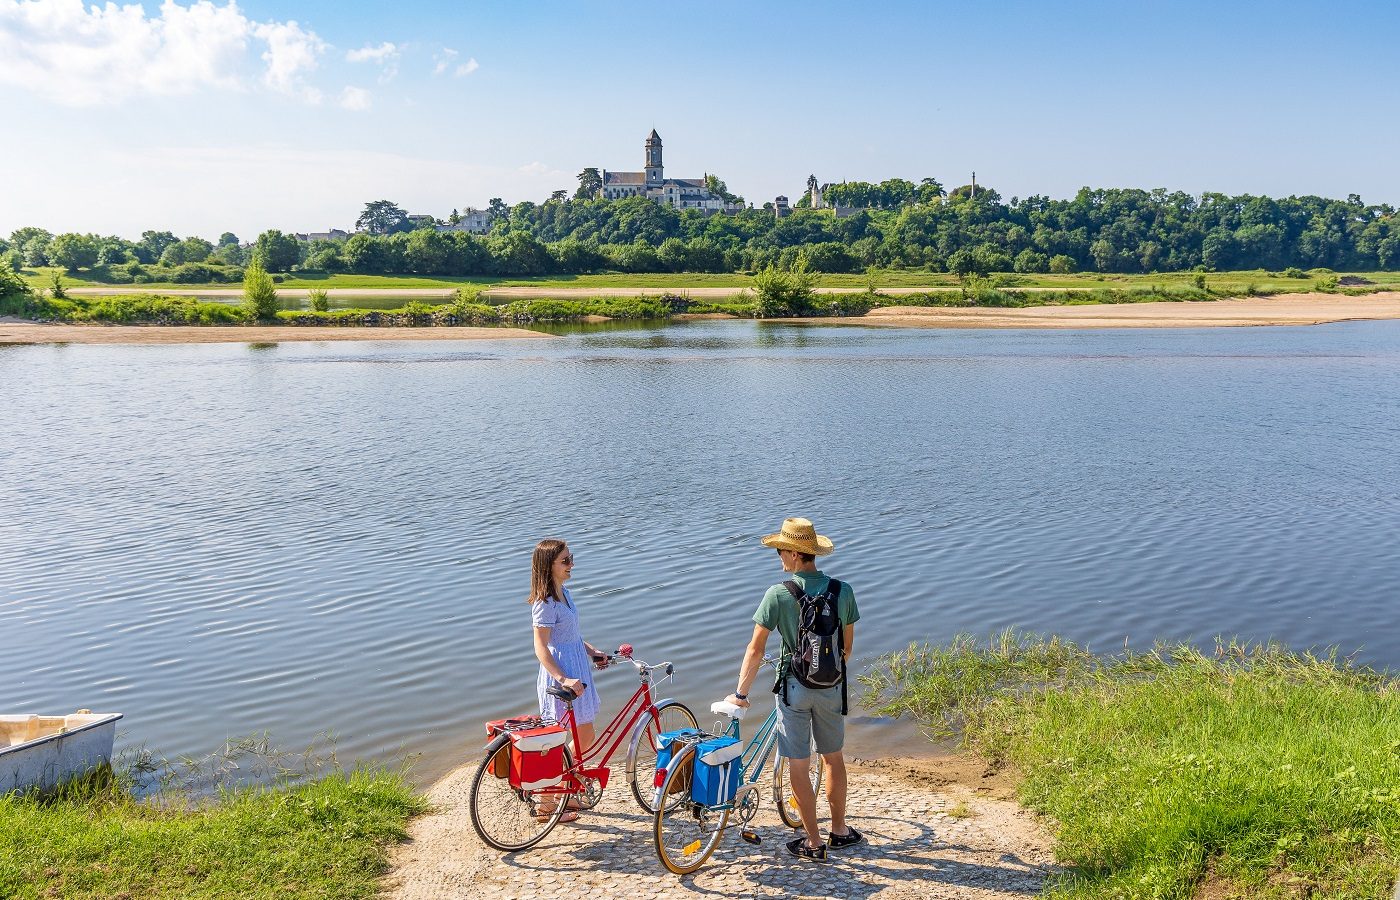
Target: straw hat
(799, 535)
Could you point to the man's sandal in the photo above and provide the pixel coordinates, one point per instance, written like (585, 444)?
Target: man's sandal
(849, 839)
(799, 849)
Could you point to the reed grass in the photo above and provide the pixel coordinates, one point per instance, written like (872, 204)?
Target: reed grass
(1252, 771)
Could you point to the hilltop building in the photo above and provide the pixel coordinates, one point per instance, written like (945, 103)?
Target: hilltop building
(681, 193)
(472, 221)
(335, 234)
(816, 199)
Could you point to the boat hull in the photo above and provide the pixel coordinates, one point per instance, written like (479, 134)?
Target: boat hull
(46, 760)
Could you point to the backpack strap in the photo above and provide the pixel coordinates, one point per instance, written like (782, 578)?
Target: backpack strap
(833, 591)
(780, 684)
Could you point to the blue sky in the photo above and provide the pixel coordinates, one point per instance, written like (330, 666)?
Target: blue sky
(206, 117)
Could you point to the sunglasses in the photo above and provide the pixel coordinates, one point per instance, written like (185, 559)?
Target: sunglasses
(567, 560)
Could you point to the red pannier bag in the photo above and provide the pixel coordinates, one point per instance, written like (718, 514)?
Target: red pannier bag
(500, 763)
(537, 757)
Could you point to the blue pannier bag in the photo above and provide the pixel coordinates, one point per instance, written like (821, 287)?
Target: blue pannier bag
(717, 764)
(667, 744)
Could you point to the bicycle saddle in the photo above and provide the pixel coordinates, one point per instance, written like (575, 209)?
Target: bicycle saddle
(732, 710)
(563, 693)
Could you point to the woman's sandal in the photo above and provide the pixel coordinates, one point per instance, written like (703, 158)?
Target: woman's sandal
(568, 816)
(799, 849)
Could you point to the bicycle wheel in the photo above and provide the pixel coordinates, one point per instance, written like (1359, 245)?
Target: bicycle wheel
(641, 753)
(782, 787)
(505, 817)
(686, 832)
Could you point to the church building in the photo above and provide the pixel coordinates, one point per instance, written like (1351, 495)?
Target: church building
(682, 193)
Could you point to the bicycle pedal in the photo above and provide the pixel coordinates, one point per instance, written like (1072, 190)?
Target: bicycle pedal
(750, 837)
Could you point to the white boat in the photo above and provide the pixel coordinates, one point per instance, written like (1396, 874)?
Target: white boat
(43, 752)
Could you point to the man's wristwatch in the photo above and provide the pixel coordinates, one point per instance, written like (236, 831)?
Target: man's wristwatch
(739, 696)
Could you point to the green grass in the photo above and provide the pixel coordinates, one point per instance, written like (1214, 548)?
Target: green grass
(1255, 770)
(323, 839)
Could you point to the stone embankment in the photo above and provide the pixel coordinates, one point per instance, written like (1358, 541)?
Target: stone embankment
(930, 837)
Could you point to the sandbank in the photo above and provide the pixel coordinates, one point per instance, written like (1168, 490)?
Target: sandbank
(1283, 309)
(19, 331)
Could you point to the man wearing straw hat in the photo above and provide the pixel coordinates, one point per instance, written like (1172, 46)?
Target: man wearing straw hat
(806, 715)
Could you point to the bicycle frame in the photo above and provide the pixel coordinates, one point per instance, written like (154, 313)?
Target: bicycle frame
(607, 743)
(754, 759)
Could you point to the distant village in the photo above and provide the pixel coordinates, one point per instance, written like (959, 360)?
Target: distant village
(651, 182)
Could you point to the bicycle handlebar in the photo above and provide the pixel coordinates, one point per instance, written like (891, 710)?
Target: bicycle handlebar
(624, 653)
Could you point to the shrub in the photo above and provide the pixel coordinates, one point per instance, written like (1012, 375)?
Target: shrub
(1060, 264)
(57, 292)
(783, 294)
(259, 296)
(1199, 280)
(1326, 283)
(320, 301)
(1294, 272)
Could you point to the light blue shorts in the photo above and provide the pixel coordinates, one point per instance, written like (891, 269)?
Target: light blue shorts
(810, 716)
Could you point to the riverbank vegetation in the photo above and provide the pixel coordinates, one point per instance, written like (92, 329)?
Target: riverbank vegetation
(1251, 771)
(326, 837)
(1103, 230)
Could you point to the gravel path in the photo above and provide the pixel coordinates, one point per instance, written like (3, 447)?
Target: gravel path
(987, 848)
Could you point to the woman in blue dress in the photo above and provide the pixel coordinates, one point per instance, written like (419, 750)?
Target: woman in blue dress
(563, 654)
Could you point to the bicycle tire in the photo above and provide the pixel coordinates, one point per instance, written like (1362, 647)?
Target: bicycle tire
(684, 839)
(782, 790)
(494, 805)
(641, 763)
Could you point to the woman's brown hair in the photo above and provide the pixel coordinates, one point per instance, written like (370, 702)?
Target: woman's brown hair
(542, 584)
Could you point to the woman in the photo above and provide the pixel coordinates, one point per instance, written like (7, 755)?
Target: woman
(563, 654)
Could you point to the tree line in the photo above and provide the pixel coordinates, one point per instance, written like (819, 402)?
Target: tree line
(902, 225)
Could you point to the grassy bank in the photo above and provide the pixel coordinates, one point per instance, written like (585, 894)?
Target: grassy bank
(327, 838)
(1250, 772)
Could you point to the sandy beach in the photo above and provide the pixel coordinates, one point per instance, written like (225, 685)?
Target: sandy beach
(18, 331)
(1283, 309)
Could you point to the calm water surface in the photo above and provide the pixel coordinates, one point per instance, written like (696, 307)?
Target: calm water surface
(222, 540)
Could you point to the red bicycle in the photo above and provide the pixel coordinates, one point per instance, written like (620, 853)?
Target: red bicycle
(528, 777)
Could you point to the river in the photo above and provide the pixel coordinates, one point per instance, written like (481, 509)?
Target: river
(220, 540)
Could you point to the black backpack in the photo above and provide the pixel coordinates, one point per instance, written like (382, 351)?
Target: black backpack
(818, 660)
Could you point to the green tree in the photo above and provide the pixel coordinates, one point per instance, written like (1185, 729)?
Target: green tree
(1060, 264)
(382, 217)
(590, 182)
(73, 251)
(275, 251)
(259, 296)
(228, 239)
(153, 244)
(319, 300)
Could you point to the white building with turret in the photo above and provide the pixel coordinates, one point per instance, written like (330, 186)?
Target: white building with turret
(682, 193)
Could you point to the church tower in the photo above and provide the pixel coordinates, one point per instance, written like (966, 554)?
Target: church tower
(654, 178)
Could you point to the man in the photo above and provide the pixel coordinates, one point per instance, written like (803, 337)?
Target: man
(805, 713)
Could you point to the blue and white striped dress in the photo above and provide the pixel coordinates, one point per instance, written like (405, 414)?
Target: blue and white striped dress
(566, 646)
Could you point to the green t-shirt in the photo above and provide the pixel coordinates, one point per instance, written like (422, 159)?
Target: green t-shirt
(778, 610)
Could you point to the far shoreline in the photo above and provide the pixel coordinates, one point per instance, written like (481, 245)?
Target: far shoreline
(1313, 308)
(19, 331)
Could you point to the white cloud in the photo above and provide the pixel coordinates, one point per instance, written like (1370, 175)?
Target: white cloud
(467, 67)
(443, 60)
(383, 53)
(290, 53)
(386, 56)
(78, 55)
(354, 98)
